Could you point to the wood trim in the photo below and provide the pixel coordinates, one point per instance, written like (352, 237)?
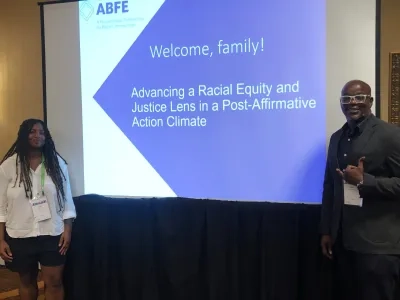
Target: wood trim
(394, 88)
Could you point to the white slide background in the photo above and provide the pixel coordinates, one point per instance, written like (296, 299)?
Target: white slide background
(102, 48)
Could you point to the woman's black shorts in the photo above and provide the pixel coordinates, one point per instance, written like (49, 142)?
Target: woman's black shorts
(28, 252)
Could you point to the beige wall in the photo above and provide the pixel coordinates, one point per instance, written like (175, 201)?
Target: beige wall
(20, 67)
(20, 62)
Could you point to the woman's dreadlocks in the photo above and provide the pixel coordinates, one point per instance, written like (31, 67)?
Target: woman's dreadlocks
(22, 148)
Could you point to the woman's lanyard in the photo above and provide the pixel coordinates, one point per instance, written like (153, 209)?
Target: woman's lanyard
(42, 175)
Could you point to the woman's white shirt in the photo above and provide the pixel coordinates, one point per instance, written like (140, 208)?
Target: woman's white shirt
(16, 210)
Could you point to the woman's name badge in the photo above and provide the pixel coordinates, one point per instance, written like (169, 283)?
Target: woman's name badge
(40, 208)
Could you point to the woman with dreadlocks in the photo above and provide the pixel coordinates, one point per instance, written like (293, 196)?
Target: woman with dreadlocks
(36, 210)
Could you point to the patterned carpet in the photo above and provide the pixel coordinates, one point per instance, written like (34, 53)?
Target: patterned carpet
(9, 285)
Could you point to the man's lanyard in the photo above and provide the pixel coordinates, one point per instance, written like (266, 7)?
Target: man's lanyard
(42, 175)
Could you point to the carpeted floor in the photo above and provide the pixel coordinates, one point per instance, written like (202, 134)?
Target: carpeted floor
(8, 280)
(9, 285)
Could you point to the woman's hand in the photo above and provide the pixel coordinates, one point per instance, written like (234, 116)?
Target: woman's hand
(65, 241)
(5, 251)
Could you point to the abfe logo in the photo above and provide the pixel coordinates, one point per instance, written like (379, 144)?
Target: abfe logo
(115, 7)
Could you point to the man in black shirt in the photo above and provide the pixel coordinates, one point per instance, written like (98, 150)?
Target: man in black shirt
(360, 221)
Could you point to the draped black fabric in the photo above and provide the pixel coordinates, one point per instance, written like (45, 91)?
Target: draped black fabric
(185, 249)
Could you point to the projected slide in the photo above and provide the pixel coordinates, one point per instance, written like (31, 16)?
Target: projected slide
(204, 99)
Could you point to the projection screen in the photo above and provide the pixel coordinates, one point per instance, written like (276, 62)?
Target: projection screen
(229, 100)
